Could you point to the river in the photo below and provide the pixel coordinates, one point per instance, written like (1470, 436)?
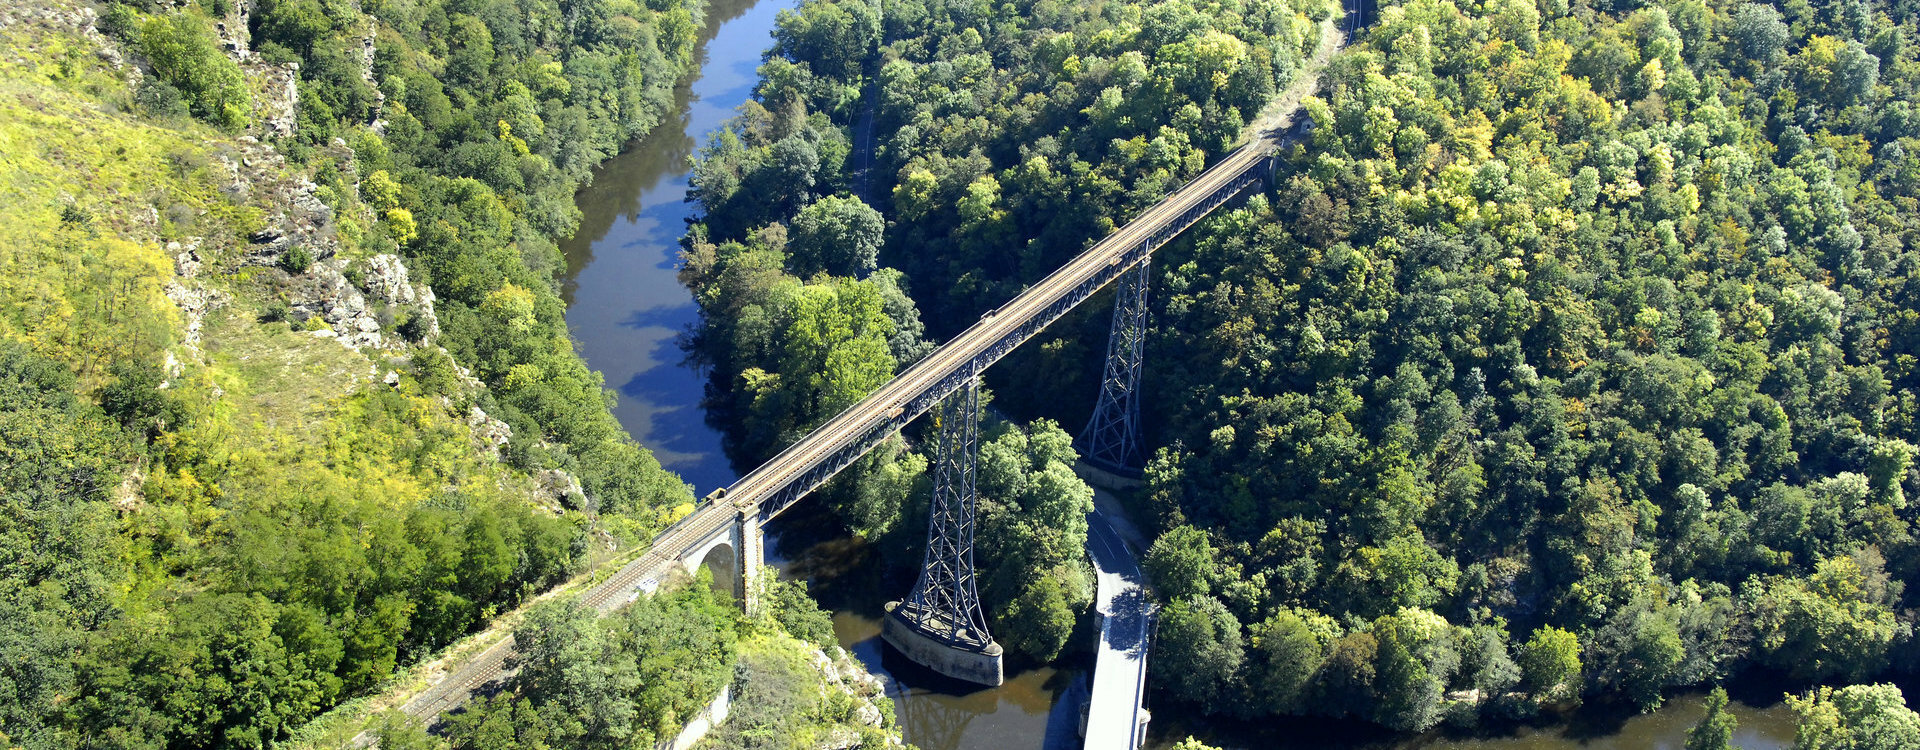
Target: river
(625, 305)
(627, 310)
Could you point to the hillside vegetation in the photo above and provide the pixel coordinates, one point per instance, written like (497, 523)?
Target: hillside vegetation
(1571, 355)
(249, 464)
(635, 678)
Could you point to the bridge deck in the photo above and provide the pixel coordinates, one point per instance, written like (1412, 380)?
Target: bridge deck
(914, 391)
(813, 460)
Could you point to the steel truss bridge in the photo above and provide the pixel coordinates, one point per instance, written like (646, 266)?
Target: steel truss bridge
(943, 605)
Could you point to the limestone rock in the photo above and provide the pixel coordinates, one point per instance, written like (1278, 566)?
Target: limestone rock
(491, 434)
(562, 487)
(839, 738)
(386, 279)
(844, 674)
(194, 303)
(325, 291)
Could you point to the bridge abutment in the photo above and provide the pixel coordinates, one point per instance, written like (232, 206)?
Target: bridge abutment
(745, 554)
(750, 540)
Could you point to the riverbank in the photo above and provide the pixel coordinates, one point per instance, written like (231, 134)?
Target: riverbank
(626, 306)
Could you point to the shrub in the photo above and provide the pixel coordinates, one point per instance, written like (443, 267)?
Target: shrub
(185, 53)
(121, 22)
(296, 260)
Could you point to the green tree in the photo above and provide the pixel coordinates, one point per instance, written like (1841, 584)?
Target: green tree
(1033, 532)
(1832, 623)
(1550, 662)
(1198, 649)
(1180, 563)
(185, 53)
(788, 603)
(1287, 653)
(1715, 730)
(836, 345)
(1041, 617)
(1414, 660)
(1855, 717)
(568, 660)
(835, 38)
(836, 235)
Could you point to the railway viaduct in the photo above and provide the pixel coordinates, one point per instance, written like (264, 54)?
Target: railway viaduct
(940, 623)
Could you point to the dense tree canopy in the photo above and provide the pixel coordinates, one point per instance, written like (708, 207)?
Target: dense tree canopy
(1568, 355)
(214, 531)
(1856, 717)
(1588, 327)
(616, 682)
(979, 139)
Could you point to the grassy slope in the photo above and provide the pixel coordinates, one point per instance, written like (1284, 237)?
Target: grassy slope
(90, 197)
(89, 290)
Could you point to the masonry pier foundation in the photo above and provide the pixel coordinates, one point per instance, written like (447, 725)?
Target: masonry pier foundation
(940, 652)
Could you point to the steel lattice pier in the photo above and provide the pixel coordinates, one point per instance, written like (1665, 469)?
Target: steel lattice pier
(945, 603)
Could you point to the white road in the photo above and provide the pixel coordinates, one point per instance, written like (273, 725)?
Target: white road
(1115, 719)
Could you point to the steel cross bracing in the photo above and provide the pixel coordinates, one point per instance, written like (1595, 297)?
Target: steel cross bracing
(1111, 440)
(846, 437)
(945, 603)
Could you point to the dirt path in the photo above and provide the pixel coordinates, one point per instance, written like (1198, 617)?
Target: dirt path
(1279, 114)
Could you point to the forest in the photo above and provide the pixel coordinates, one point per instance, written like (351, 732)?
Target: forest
(1570, 357)
(217, 523)
(979, 114)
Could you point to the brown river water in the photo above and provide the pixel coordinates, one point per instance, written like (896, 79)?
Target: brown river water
(627, 311)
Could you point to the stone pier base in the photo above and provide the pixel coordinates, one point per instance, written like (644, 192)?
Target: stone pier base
(980, 666)
(1105, 479)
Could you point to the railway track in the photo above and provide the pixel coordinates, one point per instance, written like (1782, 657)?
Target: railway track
(888, 407)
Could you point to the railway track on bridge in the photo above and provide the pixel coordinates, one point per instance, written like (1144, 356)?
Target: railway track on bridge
(810, 462)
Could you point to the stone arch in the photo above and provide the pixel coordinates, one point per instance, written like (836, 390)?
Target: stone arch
(722, 561)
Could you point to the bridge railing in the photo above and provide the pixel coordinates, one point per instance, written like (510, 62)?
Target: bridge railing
(855, 431)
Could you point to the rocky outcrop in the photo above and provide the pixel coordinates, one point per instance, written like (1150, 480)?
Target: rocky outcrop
(353, 316)
(387, 280)
(279, 105)
(489, 433)
(845, 674)
(75, 19)
(193, 299)
(562, 488)
(301, 220)
(366, 76)
(324, 291)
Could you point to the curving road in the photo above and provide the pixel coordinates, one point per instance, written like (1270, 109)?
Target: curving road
(1115, 717)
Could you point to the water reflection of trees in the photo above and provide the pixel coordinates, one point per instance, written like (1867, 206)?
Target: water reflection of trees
(617, 184)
